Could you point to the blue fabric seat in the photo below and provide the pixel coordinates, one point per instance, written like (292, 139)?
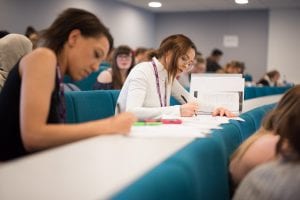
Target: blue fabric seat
(89, 105)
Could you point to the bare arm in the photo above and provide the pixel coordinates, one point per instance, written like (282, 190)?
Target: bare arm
(38, 71)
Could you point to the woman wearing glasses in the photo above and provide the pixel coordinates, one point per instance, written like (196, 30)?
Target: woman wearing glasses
(147, 90)
(114, 77)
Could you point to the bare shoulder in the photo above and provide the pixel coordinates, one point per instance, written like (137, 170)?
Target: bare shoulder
(105, 77)
(38, 60)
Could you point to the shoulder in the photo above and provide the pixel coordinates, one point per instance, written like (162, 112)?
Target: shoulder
(143, 69)
(41, 59)
(105, 76)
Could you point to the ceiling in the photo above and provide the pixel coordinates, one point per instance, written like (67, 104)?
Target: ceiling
(209, 5)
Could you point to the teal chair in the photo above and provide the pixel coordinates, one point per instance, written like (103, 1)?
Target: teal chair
(85, 106)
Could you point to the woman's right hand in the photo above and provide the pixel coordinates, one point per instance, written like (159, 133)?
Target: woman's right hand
(189, 109)
(122, 122)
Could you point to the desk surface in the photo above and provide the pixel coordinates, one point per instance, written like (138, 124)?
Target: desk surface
(95, 168)
(90, 169)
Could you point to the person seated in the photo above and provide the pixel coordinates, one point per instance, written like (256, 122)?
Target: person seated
(140, 55)
(279, 179)
(114, 77)
(270, 79)
(212, 62)
(199, 67)
(12, 48)
(261, 146)
(234, 67)
(33, 36)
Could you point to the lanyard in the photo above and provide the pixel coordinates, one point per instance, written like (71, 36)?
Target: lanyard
(158, 86)
(61, 97)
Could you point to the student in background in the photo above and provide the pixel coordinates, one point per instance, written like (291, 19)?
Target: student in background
(140, 55)
(234, 67)
(212, 62)
(33, 36)
(147, 90)
(270, 79)
(32, 110)
(279, 179)
(261, 146)
(114, 77)
(12, 48)
(199, 67)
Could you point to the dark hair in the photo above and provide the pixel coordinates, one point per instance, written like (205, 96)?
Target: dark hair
(116, 75)
(179, 44)
(140, 50)
(216, 52)
(30, 30)
(72, 18)
(288, 126)
(273, 73)
(3, 33)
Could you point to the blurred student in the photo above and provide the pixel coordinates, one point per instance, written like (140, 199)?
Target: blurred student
(147, 90)
(140, 55)
(279, 179)
(114, 77)
(12, 48)
(33, 36)
(212, 62)
(32, 109)
(270, 79)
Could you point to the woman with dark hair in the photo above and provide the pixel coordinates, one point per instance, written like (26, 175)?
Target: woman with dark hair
(147, 90)
(32, 110)
(114, 77)
(279, 179)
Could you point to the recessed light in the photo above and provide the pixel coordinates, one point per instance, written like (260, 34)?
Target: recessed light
(154, 4)
(241, 1)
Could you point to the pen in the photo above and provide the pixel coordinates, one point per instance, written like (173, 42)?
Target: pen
(118, 108)
(184, 99)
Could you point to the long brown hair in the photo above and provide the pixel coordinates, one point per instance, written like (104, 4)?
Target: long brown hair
(179, 45)
(288, 125)
(72, 18)
(116, 74)
(273, 122)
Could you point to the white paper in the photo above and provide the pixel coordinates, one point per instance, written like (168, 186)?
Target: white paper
(167, 130)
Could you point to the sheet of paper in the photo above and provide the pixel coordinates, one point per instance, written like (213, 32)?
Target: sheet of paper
(167, 130)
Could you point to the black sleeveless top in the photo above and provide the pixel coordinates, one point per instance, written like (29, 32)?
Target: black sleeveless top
(11, 145)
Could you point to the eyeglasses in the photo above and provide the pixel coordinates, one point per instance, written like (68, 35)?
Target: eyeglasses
(124, 56)
(189, 64)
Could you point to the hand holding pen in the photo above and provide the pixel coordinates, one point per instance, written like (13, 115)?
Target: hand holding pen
(188, 109)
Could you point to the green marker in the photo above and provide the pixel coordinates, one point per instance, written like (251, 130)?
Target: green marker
(147, 123)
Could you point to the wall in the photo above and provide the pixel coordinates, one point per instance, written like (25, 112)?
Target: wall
(128, 25)
(208, 28)
(284, 43)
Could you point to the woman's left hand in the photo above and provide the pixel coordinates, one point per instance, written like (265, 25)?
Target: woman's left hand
(222, 112)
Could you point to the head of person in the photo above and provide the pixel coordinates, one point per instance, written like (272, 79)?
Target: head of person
(274, 75)
(235, 67)
(288, 126)
(216, 55)
(3, 33)
(12, 48)
(80, 39)
(123, 60)
(200, 64)
(140, 54)
(33, 36)
(178, 52)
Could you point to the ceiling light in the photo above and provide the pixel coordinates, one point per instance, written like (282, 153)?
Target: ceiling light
(154, 4)
(241, 1)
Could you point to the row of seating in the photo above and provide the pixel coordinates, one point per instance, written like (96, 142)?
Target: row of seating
(98, 104)
(200, 170)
